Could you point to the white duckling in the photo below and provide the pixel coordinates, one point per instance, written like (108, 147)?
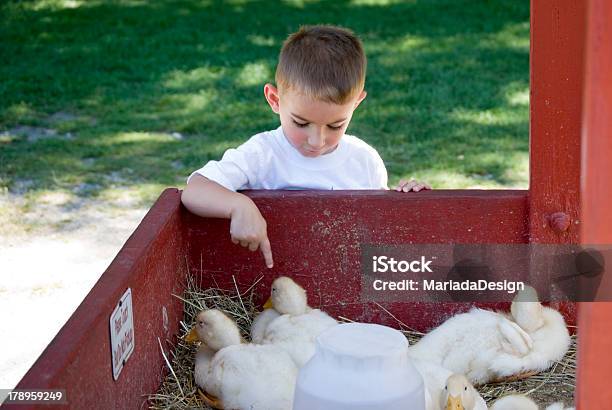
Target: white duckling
(559, 406)
(261, 322)
(459, 394)
(296, 326)
(514, 402)
(547, 330)
(490, 346)
(286, 296)
(235, 375)
(467, 343)
(434, 380)
(521, 402)
(445, 390)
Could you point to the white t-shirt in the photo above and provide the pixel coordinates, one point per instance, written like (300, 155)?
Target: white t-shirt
(268, 161)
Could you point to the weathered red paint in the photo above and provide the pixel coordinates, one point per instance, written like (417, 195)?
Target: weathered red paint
(556, 59)
(595, 339)
(316, 237)
(556, 72)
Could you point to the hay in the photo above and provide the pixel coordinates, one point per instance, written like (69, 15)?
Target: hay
(555, 384)
(179, 391)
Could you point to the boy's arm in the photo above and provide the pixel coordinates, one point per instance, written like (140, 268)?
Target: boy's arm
(206, 198)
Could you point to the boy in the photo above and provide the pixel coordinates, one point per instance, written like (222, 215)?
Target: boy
(320, 81)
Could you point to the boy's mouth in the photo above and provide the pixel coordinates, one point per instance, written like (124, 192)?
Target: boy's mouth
(312, 151)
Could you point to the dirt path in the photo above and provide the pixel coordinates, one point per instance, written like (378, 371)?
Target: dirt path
(50, 257)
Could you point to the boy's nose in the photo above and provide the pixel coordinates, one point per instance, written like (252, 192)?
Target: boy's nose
(316, 140)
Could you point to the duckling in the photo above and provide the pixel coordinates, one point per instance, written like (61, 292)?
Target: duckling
(521, 402)
(490, 346)
(459, 394)
(547, 330)
(526, 310)
(434, 380)
(514, 402)
(467, 343)
(261, 322)
(296, 326)
(437, 379)
(291, 300)
(235, 375)
(559, 406)
(286, 296)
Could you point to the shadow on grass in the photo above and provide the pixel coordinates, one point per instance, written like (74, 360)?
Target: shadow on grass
(445, 80)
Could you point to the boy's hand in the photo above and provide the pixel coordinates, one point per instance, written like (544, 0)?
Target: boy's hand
(411, 185)
(249, 229)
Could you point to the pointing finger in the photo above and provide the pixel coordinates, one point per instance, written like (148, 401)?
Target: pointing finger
(266, 249)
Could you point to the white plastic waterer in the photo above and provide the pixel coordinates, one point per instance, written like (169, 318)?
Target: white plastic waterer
(359, 366)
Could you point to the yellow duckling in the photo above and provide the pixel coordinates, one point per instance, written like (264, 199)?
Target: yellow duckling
(289, 322)
(235, 375)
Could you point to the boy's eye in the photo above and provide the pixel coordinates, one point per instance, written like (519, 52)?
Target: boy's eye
(335, 128)
(299, 124)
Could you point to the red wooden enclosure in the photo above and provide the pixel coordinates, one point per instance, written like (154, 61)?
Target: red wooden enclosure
(316, 235)
(595, 319)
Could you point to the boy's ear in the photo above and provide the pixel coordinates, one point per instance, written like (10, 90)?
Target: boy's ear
(271, 94)
(361, 97)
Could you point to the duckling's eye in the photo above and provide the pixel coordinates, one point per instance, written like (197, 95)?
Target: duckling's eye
(465, 388)
(273, 289)
(445, 387)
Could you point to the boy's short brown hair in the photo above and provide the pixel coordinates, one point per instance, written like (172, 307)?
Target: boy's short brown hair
(324, 62)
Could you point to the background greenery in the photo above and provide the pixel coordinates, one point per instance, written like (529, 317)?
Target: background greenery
(134, 95)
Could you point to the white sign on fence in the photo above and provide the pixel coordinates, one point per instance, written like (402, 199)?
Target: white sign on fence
(122, 332)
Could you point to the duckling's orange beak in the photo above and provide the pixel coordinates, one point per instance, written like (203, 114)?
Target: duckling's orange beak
(454, 403)
(192, 336)
(212, 401)
(268, 304)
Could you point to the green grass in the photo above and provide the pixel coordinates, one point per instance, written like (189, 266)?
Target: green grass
(447, 86)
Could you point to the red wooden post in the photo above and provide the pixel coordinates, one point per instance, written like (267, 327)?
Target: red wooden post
(557, 41)
(556, 71)
(595, 338)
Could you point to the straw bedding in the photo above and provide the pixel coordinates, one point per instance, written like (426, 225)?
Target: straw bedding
(179, 391)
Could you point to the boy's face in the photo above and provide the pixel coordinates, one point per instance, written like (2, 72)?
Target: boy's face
(312, 126)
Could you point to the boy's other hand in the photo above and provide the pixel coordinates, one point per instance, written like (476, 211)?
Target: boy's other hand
(249, 229)
(411, 185)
